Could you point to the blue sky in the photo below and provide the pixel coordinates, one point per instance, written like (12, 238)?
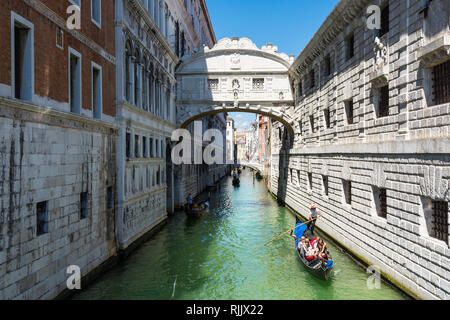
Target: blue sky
(288, 24)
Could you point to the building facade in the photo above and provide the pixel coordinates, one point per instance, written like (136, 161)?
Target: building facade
(371, 144)
(58, 145)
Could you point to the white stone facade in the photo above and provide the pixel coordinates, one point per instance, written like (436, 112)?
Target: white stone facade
(342, 164)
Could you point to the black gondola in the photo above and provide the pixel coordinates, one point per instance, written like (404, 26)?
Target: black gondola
(321, 267)
(236, 182)
(258, 175)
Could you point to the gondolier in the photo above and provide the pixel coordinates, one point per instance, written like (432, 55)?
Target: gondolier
(313, 216)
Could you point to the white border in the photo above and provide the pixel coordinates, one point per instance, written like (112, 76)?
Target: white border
(99, 68)
(17, 18)
(97, 23)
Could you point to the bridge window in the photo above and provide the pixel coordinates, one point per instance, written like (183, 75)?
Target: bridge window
(258, 84)
(213, 84)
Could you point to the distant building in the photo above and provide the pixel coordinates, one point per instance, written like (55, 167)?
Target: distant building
(230, 149)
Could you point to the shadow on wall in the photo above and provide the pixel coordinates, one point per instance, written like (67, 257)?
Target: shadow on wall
(283, 164)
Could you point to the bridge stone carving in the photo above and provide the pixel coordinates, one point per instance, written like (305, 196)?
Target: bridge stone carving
(235, 76)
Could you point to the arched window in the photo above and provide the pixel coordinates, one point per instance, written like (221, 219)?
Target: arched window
(128, 83)
(137, 85)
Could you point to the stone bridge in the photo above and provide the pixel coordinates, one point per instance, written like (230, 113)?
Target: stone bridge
(235, 76)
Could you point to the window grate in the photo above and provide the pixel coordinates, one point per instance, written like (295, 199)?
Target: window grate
(258, 84)
(349, 111)
(441, 75)
(325, 185)
(440, 220)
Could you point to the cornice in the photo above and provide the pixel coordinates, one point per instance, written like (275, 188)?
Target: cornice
(345, 12)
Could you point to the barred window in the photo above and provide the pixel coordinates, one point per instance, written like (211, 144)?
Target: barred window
(441, 79)
(440, 220)
(213, 84)
(127, 142)
(349, 111)
(327, 65)
(258, 84)
(300, 88)
(84, 205)
(383, 103)
(310, 181)
(311, 121)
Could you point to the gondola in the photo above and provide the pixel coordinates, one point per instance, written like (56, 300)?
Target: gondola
(197, 210)
(321, 268)
(236, 182)
(258, 175)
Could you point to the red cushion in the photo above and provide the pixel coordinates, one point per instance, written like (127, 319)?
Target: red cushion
(309, 258)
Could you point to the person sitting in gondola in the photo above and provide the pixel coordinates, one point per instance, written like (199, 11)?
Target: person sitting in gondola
(322, 247)
(310, 253)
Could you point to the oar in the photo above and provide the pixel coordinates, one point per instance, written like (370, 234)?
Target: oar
(278, 237)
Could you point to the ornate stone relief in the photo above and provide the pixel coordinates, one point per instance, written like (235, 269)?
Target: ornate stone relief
(433, 184)
(379, 77)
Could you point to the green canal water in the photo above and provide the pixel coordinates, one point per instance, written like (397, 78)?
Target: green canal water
(221, 255)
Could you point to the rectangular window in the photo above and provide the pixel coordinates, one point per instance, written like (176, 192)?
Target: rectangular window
(311, 122)
(258, 84)
(136, 146)
(23, 61)
(109, 198)
(127, 142)
(300, 127)
(300, 88)
(440, 220)
(325, 185)
(151, 148)
(96, 12)
(441, 80)
(384, 21)
(74, 81)
(310, 181)
(347, 185)
(312, 79)
(327, 66)
(144, 147)
(42, 218)
(379, 195)
(383, 103)
(157, 148)
(349, 111)
(213, 84)
(298, 177)
(326, 117)
(350, 47)
(97, 91)
(291, 175)
(84, 205)
(59, 38)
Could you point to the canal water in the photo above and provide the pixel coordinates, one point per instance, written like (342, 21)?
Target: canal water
(221, 255)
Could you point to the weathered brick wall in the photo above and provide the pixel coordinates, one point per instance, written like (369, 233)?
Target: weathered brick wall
(48, 156)
(405, 152)
(51, 62)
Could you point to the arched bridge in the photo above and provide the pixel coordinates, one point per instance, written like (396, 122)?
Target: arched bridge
(235, 76)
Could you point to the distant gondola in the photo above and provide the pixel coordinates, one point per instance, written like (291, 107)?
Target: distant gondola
(236, 182)
(202, 207)
(258, 175)
(322, 267)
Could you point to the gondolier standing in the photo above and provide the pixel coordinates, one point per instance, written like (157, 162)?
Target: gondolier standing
(314, 214)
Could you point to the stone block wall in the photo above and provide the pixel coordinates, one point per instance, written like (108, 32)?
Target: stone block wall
(53, 156)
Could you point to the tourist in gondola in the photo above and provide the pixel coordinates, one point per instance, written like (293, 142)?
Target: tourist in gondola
(322, 247)
(313, 216)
